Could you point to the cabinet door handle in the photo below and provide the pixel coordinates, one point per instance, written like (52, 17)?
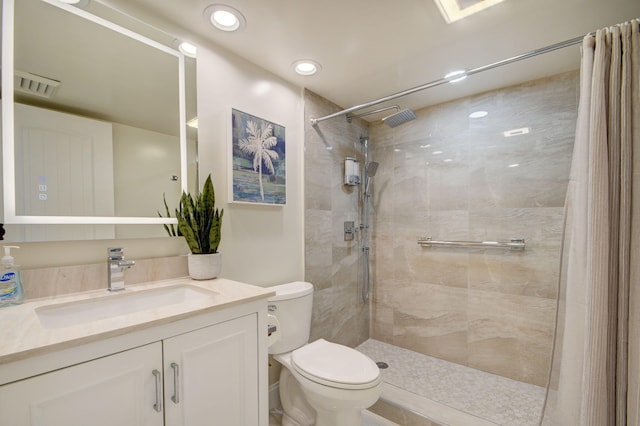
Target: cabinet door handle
(176, 383)
(158, 378)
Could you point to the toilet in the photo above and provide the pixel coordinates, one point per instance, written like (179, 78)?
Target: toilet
(321, 383)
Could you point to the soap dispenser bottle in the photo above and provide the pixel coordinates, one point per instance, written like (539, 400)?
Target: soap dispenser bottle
(11, 291)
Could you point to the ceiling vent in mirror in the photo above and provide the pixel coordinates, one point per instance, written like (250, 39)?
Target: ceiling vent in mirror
(34, 84)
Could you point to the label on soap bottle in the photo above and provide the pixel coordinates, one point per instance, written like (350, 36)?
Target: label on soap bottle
(8, 286)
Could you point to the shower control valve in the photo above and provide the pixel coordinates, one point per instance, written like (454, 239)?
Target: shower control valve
(349, 230)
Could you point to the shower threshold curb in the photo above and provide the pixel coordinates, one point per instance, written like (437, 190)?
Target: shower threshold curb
(443, 414)
(372, 419)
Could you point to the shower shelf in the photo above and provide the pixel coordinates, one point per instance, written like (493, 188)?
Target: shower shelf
(515, 244)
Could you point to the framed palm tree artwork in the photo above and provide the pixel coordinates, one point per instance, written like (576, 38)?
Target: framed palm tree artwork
(258, 163)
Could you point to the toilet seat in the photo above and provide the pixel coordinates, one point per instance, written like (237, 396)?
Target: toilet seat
(335, 365)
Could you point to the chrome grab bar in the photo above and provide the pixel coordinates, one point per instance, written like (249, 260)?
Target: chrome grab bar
(515, 244)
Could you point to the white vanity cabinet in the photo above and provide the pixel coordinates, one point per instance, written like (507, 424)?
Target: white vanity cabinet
(209, 369)
(115, 390)
(210, 375)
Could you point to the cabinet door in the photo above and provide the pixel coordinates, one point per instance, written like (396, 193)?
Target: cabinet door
(216, 375)
(118, 390)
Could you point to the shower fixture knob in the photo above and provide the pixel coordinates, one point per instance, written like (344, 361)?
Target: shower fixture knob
(349, 230)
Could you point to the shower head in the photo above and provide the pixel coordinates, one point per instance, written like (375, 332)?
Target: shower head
(399, 118)
(370, 172)
(372, 168)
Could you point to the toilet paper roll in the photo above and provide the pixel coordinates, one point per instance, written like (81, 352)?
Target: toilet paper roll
(273, 326)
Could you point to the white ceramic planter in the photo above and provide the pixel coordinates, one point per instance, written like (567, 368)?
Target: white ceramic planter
(204, 266)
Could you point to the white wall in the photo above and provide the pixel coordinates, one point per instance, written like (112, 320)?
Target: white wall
(261, 245)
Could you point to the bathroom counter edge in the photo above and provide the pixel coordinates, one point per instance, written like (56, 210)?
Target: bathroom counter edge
(25, 336)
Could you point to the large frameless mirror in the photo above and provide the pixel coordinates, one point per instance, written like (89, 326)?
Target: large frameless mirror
(95, 135)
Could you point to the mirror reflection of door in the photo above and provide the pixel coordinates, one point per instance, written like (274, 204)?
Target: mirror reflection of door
(64, 164)
(64, 167)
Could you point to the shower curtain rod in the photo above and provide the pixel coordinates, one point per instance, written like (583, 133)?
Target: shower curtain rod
(542, 50)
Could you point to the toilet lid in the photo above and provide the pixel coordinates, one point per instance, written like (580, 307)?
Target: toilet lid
(335, 365)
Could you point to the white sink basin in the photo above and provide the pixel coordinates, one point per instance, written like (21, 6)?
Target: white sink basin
(116, 304)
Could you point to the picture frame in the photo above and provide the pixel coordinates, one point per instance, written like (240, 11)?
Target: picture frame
(257, 160)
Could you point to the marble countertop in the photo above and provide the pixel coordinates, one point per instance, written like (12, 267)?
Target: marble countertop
(24, 334)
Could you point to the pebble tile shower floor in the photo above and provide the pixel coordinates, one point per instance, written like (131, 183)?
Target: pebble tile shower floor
(499, 400)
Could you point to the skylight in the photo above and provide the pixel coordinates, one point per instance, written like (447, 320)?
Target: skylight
(454, 10)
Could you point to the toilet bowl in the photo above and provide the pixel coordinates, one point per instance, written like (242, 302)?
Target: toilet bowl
(321, 383)
(338, 382)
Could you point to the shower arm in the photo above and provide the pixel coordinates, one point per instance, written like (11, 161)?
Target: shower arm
(531, 54)
(376, 111)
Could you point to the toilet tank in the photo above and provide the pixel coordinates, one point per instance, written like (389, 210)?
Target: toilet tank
(292, 306)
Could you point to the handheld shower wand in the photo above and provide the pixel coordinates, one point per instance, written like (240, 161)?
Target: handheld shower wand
(370, 172)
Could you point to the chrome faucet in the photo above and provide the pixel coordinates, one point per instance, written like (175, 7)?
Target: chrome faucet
(116, 266)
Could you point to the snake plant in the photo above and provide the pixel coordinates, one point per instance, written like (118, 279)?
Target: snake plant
(199, 221)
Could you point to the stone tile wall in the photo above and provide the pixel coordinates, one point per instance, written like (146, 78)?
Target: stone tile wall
(331, 264)
(455, 178)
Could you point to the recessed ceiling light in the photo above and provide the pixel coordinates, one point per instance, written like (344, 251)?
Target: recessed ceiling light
(188, 49)
(456, 76)
(306, 67)
(478, 114)
(225, 18)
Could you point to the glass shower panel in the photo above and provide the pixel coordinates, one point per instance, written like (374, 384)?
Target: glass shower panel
(490, 167)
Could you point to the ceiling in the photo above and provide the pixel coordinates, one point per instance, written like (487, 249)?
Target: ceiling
(369, 49)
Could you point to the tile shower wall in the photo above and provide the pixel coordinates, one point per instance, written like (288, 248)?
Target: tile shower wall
(451, 177)
(331, 263)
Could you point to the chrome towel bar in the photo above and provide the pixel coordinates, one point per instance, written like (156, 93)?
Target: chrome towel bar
(515, 244)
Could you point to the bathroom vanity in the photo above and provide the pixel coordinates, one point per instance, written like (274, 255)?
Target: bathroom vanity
(174, 352)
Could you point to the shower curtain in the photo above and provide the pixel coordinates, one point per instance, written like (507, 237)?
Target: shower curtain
(595, 369)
